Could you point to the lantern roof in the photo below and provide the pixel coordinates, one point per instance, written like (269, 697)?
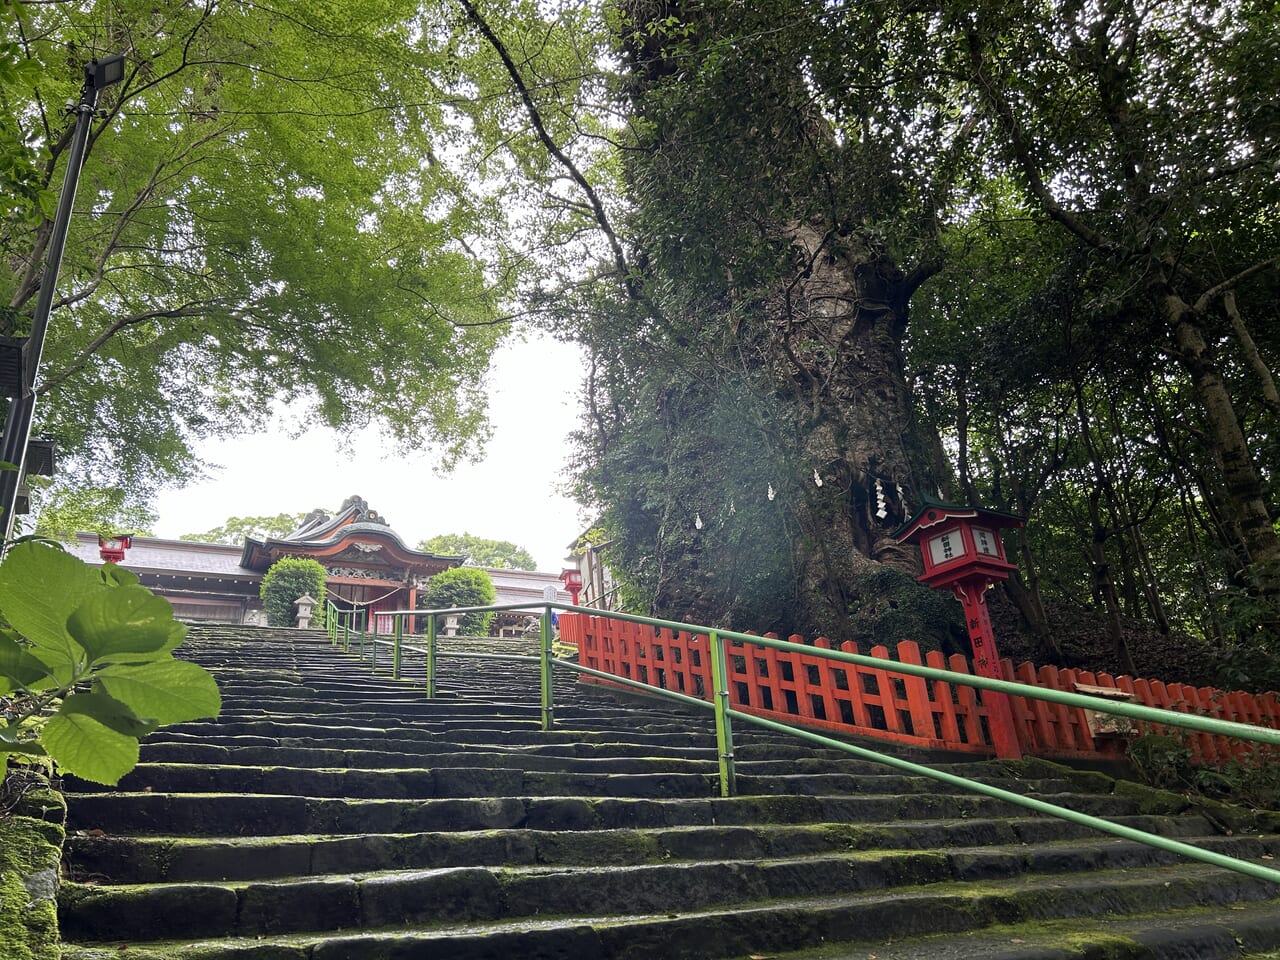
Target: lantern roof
(933, 512)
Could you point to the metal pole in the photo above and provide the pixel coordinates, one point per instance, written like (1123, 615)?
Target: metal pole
(724, 726)
(17, 426)
(431, 656)
(395, 649)
(548, 705)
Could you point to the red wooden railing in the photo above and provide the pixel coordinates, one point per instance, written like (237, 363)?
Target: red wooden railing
(850, 699)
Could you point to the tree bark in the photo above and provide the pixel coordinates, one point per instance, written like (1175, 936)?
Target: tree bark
(1251, 354)
(1241, 479)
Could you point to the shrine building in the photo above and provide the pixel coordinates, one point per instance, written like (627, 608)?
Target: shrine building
(369, 568)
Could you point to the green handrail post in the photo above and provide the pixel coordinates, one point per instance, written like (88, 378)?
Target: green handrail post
(373, 649)
(346, 633)
(360, 649)
(395, 649)
(548, 706)
(431, 656)
(724, 726)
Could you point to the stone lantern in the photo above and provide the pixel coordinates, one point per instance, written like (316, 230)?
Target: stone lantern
(306, 604)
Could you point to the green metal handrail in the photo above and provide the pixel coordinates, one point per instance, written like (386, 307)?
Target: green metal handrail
(725, 714)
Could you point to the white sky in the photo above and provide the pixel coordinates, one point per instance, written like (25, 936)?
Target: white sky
(511, 495)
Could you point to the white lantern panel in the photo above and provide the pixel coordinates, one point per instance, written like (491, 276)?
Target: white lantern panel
(945, 547)
(986, 542)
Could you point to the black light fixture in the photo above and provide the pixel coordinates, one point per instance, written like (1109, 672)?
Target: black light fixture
(104, 72)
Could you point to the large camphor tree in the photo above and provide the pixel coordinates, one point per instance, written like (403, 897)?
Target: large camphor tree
(1064, 213)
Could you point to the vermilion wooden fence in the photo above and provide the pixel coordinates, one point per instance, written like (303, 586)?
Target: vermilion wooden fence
(815, 692)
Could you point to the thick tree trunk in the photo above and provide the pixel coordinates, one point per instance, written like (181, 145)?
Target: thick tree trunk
(1243, 484)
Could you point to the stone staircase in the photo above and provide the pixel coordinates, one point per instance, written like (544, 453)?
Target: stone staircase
(331, 815)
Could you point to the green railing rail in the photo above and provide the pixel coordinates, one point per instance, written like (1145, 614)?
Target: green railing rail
(341, 633)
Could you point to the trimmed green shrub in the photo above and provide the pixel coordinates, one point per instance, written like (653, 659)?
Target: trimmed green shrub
(287, 580)
(461, 587)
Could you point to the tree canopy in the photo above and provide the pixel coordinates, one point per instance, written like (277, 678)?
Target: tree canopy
(238, 529)
(1018, 256)
(480, 552)
(277, 206)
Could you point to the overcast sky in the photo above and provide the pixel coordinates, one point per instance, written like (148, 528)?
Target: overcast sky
(511, 495)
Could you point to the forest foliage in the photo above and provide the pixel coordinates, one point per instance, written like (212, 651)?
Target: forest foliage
(279, 206)
(480, 551)
(1012, 255)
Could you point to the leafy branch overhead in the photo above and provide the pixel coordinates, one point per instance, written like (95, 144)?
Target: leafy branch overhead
(280, 206)
(86, 664)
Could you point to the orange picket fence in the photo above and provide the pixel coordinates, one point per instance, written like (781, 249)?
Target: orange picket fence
(854, 700)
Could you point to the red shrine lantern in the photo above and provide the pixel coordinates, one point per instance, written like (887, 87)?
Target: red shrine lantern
(112, 550)
(571, 577)
(963, 553)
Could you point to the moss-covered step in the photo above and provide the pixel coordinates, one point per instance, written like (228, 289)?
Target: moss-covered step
(481, 835)
(97, 857)
(1199, 933)
(31, 835)
(468, 893)
(749, 929)
(234, 814)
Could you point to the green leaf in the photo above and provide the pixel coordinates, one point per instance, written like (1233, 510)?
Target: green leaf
(109, 712)
(117, 576)
(129, 619)
(169, 690)
(9, 742)
(81, 745)
(40, 586)
(177, 633)
(19, 669)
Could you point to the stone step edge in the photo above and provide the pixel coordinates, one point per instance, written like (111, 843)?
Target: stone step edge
(993, 861)
(721, 932)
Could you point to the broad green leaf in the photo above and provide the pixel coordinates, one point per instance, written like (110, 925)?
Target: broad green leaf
(129, 619)
(10, 743)
(40, 586)
(109, 712)
(20, 669)
(177, 633)
(81, 745)
(169, 690)
(117, 576)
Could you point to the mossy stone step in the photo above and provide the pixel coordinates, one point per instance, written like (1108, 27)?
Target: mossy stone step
(1197, 933)
(235, 814)
(543, 844)
(700, 934)
(470, 894)
(609, 778)
(140, 859)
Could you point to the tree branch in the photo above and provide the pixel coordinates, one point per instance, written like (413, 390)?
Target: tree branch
(535, 119)
(49, 383)
(1212, 294)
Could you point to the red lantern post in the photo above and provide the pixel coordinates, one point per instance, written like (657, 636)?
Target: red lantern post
(571, 577)
(963, 553)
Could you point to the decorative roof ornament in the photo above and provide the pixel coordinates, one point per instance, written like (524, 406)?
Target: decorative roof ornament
(362, 512)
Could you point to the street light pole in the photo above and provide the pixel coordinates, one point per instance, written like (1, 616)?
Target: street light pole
(17, 427)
